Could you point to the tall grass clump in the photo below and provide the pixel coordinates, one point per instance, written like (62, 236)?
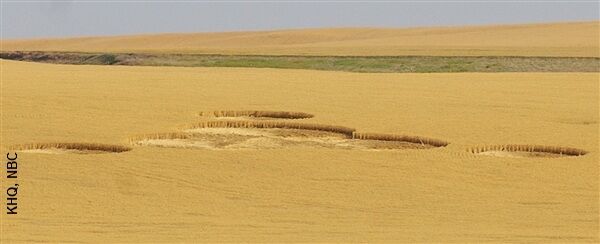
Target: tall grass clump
(257, 113)
(400, 138)
(567, 151)
(274, 124)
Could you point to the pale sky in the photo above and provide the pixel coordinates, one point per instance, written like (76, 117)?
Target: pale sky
(34, 19)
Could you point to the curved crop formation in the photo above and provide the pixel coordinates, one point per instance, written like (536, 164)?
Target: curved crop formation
(257, 114)
(400, 138)
(274, 125)
(264, 134)
(69, 147)
(512, 150)
(257, 134)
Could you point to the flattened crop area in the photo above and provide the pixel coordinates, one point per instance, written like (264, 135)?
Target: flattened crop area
(261, 134)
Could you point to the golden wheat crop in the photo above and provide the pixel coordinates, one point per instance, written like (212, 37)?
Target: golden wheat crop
(306, 194)
(579, 39)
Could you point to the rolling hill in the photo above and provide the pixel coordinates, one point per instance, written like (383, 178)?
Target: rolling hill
(574, 39)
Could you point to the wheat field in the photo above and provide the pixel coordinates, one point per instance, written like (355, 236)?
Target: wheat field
(575, 39)
(451, 193)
